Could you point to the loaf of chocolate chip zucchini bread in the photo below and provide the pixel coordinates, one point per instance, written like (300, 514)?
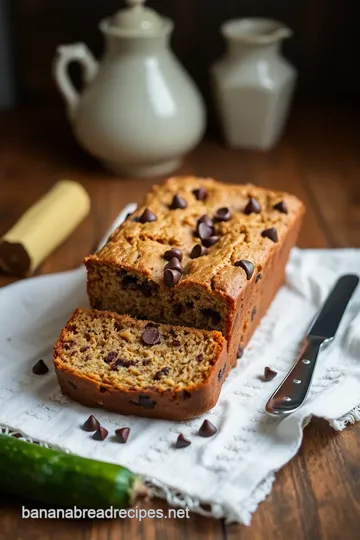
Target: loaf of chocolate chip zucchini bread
(198, 253)
(138, 367)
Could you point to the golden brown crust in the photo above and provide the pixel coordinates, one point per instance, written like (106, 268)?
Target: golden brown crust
(176, 404)
(139, 249)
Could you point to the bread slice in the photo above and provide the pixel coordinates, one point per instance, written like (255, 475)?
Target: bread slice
(139, 367)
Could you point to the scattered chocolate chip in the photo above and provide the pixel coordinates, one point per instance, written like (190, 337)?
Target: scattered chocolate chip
(147, 216)
(84, 349)
(182, 442)
(152, 324)
(212, 314)
(247, 266)
(258, 277)
(200, 194)
(160, 373)
(200, 357)
(151, 336)
(204, 231)
(110, 357)
(210, 241)
(91, 424)
(221, 372)
(69, 344)
(269, 374)
(253, 206)
(87, 357)
(281, 207)
(121, 362)
(253, 313)
(100, 434)
(171, 277)
(189, 305)
(186, 394)
(207, 429)
(175, 264)
(240, 351)
(178, 202)
(198, 251)
(144, 401)
(129, 281)
(122, 434)
(148, 288)
(171, 253)
(146, 362)
(40, 368)
(270, 233)
(206, 220)
(223, 214)
(175, 343)
(177, 309)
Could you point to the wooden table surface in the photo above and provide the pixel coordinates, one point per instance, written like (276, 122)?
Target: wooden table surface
(317, 495)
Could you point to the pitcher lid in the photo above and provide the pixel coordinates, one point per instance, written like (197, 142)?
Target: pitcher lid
(136, 19)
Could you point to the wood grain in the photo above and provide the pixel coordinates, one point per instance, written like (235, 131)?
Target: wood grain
(317, 495)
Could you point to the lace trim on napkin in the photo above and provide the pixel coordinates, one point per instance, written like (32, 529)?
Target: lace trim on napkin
(175, 498)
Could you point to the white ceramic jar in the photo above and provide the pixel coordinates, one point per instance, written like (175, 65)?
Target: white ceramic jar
(140, 112)
(253, 83)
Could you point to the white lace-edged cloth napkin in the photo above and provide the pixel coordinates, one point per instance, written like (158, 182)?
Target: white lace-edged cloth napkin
(232, 471)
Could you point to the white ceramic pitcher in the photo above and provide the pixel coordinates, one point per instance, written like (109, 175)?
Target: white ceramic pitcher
(139, 113)
(253, 83)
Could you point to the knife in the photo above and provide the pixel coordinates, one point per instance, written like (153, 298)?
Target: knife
(292, 392)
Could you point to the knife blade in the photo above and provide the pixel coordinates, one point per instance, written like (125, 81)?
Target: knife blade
(292, 392)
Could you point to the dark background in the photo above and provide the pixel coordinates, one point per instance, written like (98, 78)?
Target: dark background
(324, 47)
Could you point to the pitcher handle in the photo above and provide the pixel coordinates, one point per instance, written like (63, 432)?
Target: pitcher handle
(77, 52)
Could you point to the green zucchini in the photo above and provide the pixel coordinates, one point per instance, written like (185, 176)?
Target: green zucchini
(61, 479)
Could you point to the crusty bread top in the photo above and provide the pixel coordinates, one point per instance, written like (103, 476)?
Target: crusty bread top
(139, 247)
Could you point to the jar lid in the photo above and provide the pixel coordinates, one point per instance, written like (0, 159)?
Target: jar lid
(136, 19)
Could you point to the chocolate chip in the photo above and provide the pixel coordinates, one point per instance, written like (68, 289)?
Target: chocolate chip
(129, 282)
(171, 253)
(207, 220)
(151, 336)
(200, 194)
(100, 434)
(207, 429)
(91, 424)
(270, 233)
(204, 231)
(148, 288)
(175, 343)
(174, 264)
(152, 324)
(121, 362)
(281, 207)
(178, 202)
(160, 373)
(247, 266)
(147, 216)
(200, 357)
(69, 344)
(258, 277)
(14, 259)
(144, 401)
(110, 357)
(177, 309)
(221, 372)
(189, 305)
(171, 277)
(210, 241)
(186, 394)
(84, 349)
(122, 434)
(269, 374)
(240, 351)
(212, 314)
(198, 251)
(182, 442)
(40, 368)
(223, 214)
(253, 206)
(253, 313)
